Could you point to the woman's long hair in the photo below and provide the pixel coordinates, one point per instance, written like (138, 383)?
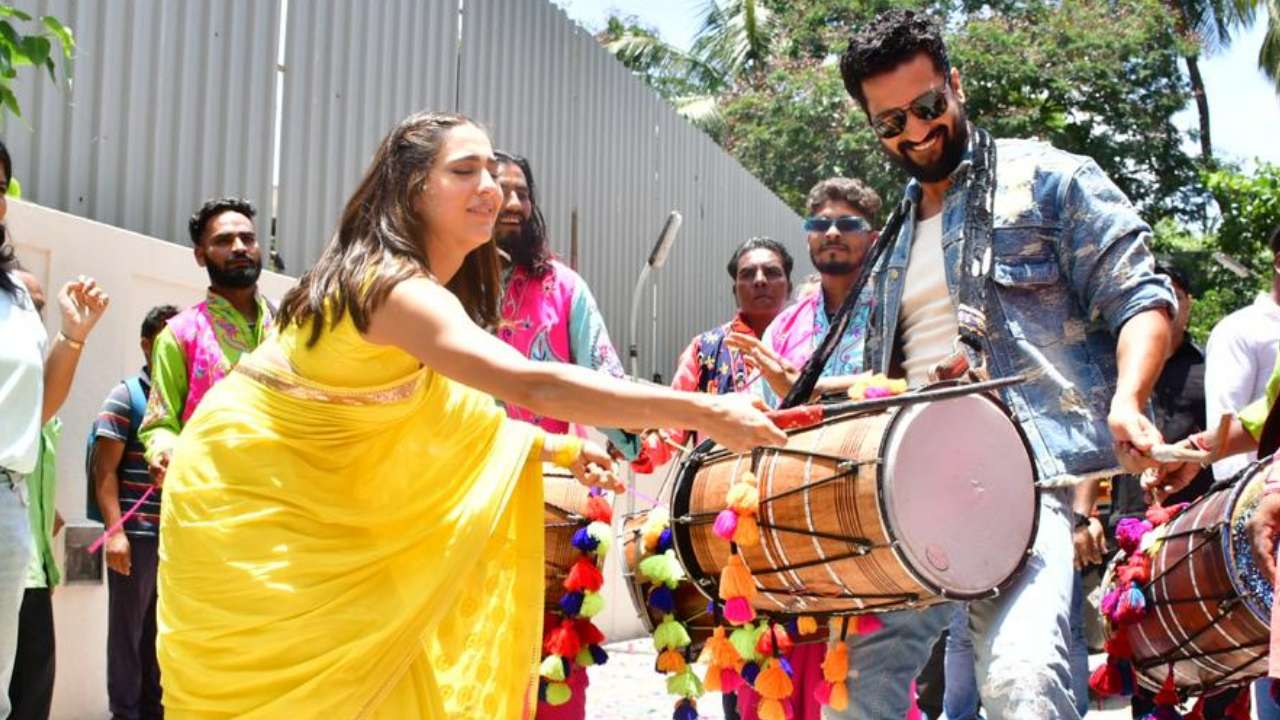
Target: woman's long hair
(8, 261)
(376, 246)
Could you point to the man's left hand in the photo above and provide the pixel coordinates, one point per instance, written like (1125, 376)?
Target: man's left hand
(1134, 435)
(1264, 529)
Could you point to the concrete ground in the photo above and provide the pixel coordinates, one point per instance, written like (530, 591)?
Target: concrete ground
(627, 688)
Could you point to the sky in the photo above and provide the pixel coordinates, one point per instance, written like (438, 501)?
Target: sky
(1244, 111)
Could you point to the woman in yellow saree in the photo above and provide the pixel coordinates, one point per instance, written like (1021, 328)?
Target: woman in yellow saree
(351, 526)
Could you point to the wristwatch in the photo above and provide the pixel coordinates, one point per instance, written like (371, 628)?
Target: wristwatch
(1081, 521)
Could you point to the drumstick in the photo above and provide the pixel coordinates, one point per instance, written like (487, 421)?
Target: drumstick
(806, 416)
(1177, 454)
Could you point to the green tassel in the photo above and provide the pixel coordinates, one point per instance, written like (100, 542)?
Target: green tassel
(553, 668)
(592, 604)
(685, 684)
(603, 535)
(670, 635)
(663, 569)
(744, 641)
(585, 658)
(558, 693)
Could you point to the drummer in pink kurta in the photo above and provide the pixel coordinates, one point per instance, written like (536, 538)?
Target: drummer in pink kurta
(548, 313)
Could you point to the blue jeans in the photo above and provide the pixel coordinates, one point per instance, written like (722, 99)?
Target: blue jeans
(1079, 647)
(960, 692)
(1022, 638)
(15, 538)
(1263, 705)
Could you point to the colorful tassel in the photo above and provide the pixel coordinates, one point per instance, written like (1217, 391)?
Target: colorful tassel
(764, 646)
(738, 589)
(571, 604)
(738, 611)
(657, 521)
(744, 642)
(747, 533)
(686, 709)
(662, 569)
(1240, 708)
(552, 668)
(806, 625)
(769, 709)
(584, 576)
(726, 524)
(583, 541)
(1129, 532)
(773, 682)
(592, 604)
(662, 599)
(588, 633)
(562, 641)
(558, 693)
(750, 671)
(664, 540)
(670, 661)
(1158, 515)
(599, 510)
(670, 635)
(602, 533)
(730, 680)
(685, 684)
(864, 624)
(1132, 606)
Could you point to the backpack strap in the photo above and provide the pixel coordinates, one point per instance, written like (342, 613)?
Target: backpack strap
(137, 411)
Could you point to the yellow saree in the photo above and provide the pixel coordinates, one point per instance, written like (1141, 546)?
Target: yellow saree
(336, 550)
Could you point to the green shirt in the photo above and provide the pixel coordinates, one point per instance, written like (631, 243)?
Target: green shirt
(171, 371)
(42, 485)
(1255, 415)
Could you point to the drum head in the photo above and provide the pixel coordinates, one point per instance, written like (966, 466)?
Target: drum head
(958, 494)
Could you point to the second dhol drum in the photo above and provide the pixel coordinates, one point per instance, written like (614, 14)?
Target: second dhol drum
(888, 510)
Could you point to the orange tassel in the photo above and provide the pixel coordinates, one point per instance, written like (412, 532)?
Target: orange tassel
(807, 625)
(736, 580)
(773, 682)
(744, 496)
(670, 661)
(770, 710)
(839, 696)
(711, 681)
(721, 652)
(835, 665)
(748, 532)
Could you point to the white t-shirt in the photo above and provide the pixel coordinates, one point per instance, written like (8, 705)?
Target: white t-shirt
(929, 327)
(21, 380)
(1239, 358)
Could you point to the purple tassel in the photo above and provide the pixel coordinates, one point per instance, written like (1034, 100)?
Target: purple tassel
(664, 540)
(571, 604)
(726, 524)
(583, 541)
(1129, 532)
(1109, 603)
(786, 666)
(662, 600)
(542, 690)
(598, 655)
(749, 672)
(685, 710)
(793, 628)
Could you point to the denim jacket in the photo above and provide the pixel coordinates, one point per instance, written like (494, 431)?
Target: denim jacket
(1070, 267)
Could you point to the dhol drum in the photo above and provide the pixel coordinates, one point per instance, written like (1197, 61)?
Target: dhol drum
(690, 605)
(565, 503)
(1208, 605)
(887, 510)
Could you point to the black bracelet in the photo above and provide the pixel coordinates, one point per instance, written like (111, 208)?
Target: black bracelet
(1081, 520)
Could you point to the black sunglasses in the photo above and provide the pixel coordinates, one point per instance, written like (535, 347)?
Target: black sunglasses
(928, 106)
(848, 223)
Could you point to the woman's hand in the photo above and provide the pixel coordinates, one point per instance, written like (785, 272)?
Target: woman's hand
(738, 423)
(82, 303)
(593, 466)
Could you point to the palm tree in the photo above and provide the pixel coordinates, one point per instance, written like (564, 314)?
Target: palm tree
(1269, 54)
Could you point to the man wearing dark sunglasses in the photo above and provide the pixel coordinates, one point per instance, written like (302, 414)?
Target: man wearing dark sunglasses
(1012, 258)
(839, 232)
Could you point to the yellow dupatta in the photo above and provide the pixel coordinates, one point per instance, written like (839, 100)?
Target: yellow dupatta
(337, 551)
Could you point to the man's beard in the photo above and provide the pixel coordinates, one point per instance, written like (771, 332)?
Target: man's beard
(520, 246)
(953, 147)
(241, 277)
(832, 267)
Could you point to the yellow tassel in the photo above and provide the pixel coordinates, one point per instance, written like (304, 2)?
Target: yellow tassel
(736, 580)
(807, 625)
(748, 532)
(835, 665)
(770, 710)
(839, 696)
(773, 682)
(744, 497)
(670, 661)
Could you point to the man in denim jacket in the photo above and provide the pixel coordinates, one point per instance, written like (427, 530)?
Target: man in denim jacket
(1061, 289)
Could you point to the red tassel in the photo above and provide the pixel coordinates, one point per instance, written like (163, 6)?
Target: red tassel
(1168, 694)
(588, 633)
(1240, 708)
(1106, 680)
(563, 641)
(1158, 515)
(765, 645)
(584, 576)
(1197, 711)
(1117, 646)
(599, 510)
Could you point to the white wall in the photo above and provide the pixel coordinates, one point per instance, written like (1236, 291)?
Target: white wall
(139, 272)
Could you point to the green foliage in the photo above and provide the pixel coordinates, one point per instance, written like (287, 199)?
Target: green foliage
(1250, 206)
(20, 49)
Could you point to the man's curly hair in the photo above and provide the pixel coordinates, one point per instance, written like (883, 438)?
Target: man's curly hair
(892, 38)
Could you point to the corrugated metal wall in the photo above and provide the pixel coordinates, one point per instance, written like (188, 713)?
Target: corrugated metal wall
(603, 144)
(172, 102)
(352, 70)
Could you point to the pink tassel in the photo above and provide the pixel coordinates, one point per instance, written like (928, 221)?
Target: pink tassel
(738, 611)
(726, 524)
